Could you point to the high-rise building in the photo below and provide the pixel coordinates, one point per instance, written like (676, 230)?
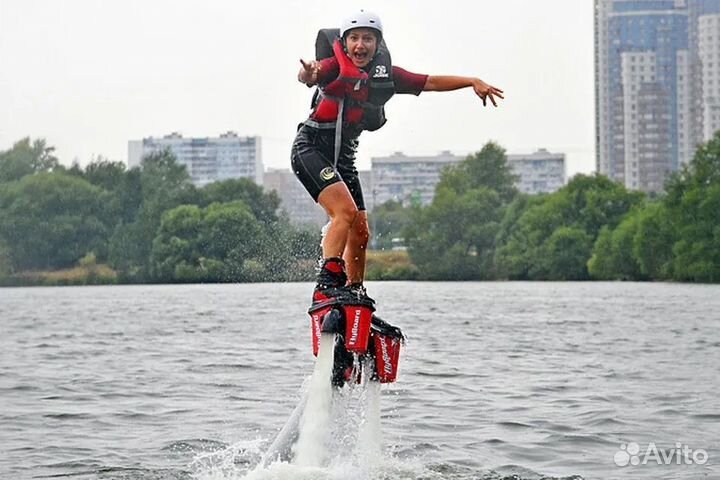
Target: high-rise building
(294, 199)
(366, 183)
(709, 53)
(407, 179)
(207, 159)
(539, 172)
(655, 68)
(297, 202)
(704, 28)
(411, 180)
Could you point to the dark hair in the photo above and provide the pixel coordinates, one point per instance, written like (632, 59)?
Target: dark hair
(375, 31)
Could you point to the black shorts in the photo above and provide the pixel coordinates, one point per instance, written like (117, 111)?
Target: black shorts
(312, 157)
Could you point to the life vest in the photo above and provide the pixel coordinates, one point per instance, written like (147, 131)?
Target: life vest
(356, 98)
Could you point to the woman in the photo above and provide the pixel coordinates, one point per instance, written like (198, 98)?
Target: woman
(354, 84)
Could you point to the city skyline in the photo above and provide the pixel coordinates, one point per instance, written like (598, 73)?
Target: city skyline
(657, 63)
(208, 159)
(411, 180)
(88, 77)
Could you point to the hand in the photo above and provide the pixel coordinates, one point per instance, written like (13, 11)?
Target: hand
(483, 90)
(309, 72)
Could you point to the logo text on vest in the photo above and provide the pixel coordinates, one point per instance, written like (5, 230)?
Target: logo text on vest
(380, 72)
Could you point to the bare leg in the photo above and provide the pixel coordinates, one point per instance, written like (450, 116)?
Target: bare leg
(356, 248)
(341, 208)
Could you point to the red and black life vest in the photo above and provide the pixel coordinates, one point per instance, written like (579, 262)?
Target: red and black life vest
(358, 95)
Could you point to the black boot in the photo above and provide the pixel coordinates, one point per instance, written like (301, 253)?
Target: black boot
(358, 290)
(330, 287)
(384, 328)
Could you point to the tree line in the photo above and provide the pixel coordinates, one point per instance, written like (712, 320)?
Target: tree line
(150, 224)
(479, 227)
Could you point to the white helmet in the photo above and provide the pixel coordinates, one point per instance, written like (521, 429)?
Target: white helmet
(361, 19)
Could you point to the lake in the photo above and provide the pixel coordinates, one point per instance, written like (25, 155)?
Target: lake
(497, 380)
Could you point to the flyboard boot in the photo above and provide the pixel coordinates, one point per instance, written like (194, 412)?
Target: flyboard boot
(336, 309)
(384, 350)
(379, 362)
(329, 283)
(359, 290)
(348, 312)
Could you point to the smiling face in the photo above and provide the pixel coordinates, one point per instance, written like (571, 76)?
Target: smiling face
(361, 44)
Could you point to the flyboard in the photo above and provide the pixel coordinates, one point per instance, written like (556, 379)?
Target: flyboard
(352, 346)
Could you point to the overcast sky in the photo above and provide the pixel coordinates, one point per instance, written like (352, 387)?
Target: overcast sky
(89, 75)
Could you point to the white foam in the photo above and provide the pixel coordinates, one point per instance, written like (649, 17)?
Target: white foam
(220, 465)
(339, 435)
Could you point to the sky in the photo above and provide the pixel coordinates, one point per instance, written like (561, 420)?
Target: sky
(90, 75)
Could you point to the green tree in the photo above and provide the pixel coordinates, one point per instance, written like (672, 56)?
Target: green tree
(512, 214)
(586, 203)
(697, 252)
(177, 245)
(26, 158)
(454, 237)
(104, 173)
(123, 185)
(596, 201)
(614, 253)
(263, 205)
(233, 235)
(564, 255)
(654, 241)
(487, 168)
(50, 220)
(125, 253)
(223, 242)
(164, 184)
(6, 267)
(693, 202)
(602, 265)
(388, 222)
(524, 233)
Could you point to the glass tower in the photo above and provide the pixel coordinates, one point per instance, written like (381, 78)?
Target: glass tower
(651, 66)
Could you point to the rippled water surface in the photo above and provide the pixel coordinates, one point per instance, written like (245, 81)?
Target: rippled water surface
(497, 380)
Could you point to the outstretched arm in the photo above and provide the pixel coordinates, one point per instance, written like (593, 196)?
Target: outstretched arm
(445, 83)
